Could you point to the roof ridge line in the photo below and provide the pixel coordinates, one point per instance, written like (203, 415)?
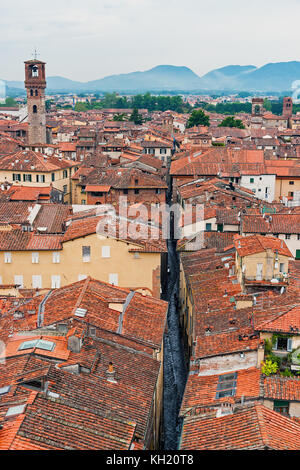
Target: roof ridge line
(261, 422)
(83, 290)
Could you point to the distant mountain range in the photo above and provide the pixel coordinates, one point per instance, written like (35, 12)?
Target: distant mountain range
(270, 77)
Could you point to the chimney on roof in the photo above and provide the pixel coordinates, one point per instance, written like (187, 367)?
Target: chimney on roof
(74, 343)
(110, 373)
(225, 409)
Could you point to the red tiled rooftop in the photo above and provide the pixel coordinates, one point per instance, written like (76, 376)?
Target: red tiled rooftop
(253, 427)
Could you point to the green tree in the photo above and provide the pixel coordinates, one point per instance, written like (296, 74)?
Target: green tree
(120, 117)
(269, 367)
(267, 105)
(136, 117)
(198, 118)
(81, 107)
(230, 121)
(10, 102)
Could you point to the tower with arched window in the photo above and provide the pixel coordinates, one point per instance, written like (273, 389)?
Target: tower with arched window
(35, 84)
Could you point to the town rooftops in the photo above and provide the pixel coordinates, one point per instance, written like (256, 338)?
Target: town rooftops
(249, 428)
(101, 305)
(125, 178)
(286, 322)
(33, 161)
(252, 244)
(206, 391)
(273, 223)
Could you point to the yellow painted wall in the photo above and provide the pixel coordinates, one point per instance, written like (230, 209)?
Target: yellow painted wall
(58, 183)
(282, 186)
(131, 272)
(267, 258)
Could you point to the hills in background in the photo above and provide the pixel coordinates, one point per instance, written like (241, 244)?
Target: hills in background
(275, 77)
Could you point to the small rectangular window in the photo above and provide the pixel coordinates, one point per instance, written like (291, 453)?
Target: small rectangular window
(55, 281)
(27, 177)
(15, 410)
(40, 178)
(291, 182)
(251, 180)
(281, 343)
(4, 390)
(106, 252)
(113, 279)
(35, 257)
(55, 257)
(18, 280)
(287, 236)
(208, 227)
(16, 177)
(226, 385)
(37, 281)
(281, 268)
(86, 254)
(7, 257)
(281, 406)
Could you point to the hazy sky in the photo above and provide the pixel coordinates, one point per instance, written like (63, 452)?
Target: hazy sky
(89, 39)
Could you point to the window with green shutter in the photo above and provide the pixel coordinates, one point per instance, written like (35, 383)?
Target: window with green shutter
(281, 406)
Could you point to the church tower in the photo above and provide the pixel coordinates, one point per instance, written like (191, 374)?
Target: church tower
(35, 84)
(287, 110)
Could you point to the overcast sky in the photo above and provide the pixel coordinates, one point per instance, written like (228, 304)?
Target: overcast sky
(89, 39)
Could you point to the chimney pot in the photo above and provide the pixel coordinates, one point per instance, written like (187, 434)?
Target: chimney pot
(110, 373)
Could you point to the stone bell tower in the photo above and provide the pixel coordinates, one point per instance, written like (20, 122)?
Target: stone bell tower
(35, 84)
(287, 109)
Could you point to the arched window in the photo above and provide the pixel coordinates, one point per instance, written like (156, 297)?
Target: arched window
(35, 71)
(31, 92)
(36, 93)
(34, 108)
(257, 109)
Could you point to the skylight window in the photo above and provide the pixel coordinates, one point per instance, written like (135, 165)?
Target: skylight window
(53, 394)
(37, 343)
(15, 410)
(80, 312)
(46, 345)
(28, 345)
(226, 385)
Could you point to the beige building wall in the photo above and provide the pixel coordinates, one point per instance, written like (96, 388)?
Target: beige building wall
(78, 196)
(61, 181)
(270, 267)
(126, 269)
(283, 186)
